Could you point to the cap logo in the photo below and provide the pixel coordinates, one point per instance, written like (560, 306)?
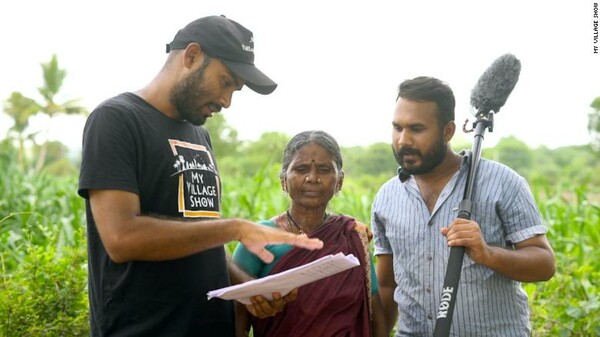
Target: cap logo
(247, 48)
(250, 47)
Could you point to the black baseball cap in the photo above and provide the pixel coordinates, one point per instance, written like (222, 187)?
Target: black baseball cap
(231, 43)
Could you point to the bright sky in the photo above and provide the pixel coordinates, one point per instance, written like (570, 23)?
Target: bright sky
(338, 63)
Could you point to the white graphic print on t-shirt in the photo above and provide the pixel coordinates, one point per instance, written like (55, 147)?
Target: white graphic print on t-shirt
(198, 192)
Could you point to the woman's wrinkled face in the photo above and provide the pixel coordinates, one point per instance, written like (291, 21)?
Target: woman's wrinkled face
(312, 177)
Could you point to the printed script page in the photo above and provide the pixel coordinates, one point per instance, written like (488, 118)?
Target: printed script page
(287, 280)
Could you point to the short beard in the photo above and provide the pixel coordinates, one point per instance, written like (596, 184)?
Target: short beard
(187, 95)
(429, 161)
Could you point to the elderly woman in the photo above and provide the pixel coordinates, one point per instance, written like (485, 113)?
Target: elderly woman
(345, 304)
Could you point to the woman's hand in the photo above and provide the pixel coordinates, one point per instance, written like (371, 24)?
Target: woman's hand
(263, 308)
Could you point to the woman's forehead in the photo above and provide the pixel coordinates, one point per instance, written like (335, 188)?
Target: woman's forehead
(311, 152)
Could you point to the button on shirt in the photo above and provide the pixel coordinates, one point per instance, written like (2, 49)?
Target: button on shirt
(487, 303)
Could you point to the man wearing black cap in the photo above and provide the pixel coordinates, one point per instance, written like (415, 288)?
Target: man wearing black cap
(152, 190)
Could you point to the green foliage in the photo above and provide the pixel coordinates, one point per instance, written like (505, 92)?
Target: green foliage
(569, 303)
(20, 108)
(515, 153)
(356, 197)
(61, 167)
(594, 123)
(36, 209)
(267, 150)
(56, 160)
(42, 254)
(257, 197)
(8, 153)
(53, 79)
(46, 295)
(224, 138)
(575, 165)
(373, 160)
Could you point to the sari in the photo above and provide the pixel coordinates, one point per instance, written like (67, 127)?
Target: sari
(337, 305)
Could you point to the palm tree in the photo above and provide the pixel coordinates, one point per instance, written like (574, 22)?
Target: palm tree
(21, 107)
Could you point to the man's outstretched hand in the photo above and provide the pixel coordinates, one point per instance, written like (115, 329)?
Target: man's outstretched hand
(256, 237)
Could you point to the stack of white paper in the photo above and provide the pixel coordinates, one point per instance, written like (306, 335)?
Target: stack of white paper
(286, 281)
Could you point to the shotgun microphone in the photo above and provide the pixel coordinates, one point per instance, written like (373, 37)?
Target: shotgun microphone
(488, 95)
(495, 84)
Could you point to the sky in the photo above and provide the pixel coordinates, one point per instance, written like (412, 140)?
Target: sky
(338, 63)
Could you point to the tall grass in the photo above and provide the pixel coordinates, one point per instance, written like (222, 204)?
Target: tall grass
(569, 304)
(37, 209)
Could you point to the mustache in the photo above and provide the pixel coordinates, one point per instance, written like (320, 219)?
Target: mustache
(406, 150)
(215, 107)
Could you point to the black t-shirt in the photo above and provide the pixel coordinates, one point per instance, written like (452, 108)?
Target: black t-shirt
(129, 145)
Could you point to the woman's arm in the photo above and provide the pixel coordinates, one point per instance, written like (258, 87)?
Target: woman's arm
(387, 286)
(377, 317)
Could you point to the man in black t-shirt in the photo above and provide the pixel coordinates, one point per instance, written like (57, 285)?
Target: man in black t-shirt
(153, 192)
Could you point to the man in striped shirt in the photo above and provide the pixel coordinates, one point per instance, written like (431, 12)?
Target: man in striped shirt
(414, 220)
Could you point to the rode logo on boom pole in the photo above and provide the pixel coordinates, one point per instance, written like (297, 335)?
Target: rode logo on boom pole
(445, 302)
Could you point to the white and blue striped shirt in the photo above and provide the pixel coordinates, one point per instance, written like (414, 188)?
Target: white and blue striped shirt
(487, 303)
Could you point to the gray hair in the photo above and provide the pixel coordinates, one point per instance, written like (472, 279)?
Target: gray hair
(321, 138)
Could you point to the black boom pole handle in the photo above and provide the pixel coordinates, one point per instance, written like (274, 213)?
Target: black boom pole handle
(455, 260)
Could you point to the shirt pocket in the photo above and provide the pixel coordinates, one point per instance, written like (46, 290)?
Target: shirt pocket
(486, 215)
